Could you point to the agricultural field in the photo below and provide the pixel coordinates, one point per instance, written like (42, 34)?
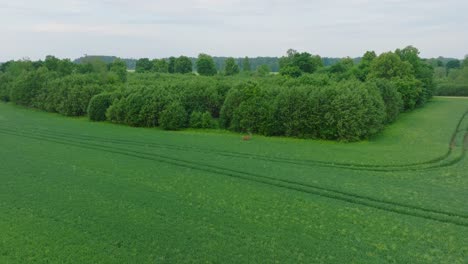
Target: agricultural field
(74, 191)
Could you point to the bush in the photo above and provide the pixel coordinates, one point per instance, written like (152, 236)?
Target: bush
(174, 117)
(411, 91)
(116, 112)
(207, 120)
(291, 71)
(99, 104)
(392, 99)
(452, 89)
(196, 119)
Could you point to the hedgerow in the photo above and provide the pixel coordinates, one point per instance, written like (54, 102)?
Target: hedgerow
(340, 102)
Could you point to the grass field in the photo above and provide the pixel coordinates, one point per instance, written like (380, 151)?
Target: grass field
(73, 191)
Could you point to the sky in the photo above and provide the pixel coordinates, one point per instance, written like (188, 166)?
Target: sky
(155, 29)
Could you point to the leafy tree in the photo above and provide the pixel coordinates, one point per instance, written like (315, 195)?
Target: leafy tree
(391, 97)
(174, 117)
(160, 65)
(119, 67)
(291, 71)
(411, 91)
(364, 66)
(465, 62)
(263, 70)
(183, 65)
(230, 67)
(452, 64)
(143, 65)
(99, 104)
(51, 63)
(389, 65)
(171, 65)
(304, 61)
(207, 120)
(246, 65)
(196, 119)
(206, 65)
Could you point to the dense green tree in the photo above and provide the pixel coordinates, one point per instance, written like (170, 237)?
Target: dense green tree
(99, 104)
(51, 63)
(143, 65)
(263, 70)
(183, 65)
(246, 65)
(291, 71)
(174, 117)
(452, 64)
(171, 65)
(364, 65)
(391, 97)
(465, 62)
(119, 67)
(160, 65)
(231, 67)
(206, 65)
(304, 61)
(389, 65)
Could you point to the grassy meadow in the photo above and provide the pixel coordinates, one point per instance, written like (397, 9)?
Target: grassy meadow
(75, 191)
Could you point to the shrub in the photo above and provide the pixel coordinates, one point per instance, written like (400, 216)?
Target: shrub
(291, 71)
(207, 120)
(99, 104)
(196, 119)
(174, 117)
(411, 91)
(392, 99)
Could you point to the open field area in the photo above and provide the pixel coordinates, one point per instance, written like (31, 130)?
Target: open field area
(74, 191)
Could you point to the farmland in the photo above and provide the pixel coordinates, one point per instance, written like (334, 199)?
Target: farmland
(75, 191)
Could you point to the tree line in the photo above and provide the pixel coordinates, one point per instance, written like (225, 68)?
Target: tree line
(451, 76)
(346, 101)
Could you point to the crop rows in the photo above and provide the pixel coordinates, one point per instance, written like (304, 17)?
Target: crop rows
(457, 142)
(389, 206)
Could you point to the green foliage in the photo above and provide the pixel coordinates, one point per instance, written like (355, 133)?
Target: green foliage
(231, 67)
(291, 71)
(99, 104)
(160, 65)
(389, 65)
(391, 98)
(205, 65)
(452, 64)
(304, 61)
(365, 65)
(201, 120)
(411, 91)
(246, 65)
(332, 103)
(173, 117)
(183, 65)
(263, 70)
(120, 69)
(450, 89)
(171, 65)
(143, 65)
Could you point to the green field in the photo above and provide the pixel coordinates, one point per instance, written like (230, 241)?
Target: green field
(74, 191)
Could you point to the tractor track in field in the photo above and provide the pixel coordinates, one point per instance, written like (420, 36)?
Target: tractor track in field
(441, 161)
(389, 206)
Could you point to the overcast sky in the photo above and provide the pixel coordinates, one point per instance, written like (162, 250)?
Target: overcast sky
(154, 28)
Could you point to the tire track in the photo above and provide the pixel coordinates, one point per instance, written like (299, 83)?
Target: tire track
(431, 214)
(309, 163)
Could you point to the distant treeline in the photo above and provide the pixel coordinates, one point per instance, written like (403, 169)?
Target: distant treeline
(451, 76)
(256, 62)
(345, 101)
